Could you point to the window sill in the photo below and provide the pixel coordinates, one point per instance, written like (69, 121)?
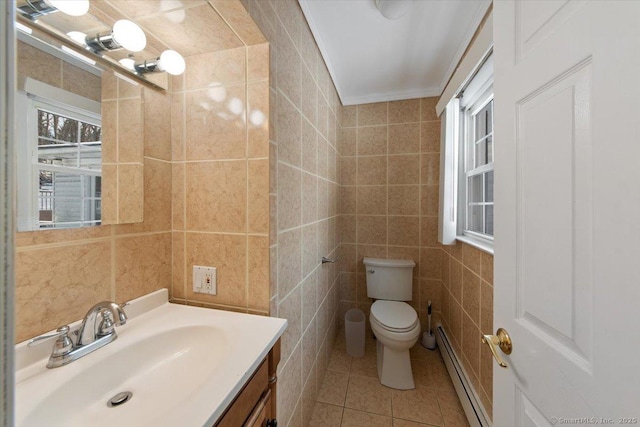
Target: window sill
(483, 245)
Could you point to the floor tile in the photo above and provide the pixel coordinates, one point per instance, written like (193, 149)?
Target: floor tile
(365, 366)
(333, 389)
(325, 415)
(397, 422)
(367, 394)
(451, 409)
(340, 361)
(353, 418)
(420, 404)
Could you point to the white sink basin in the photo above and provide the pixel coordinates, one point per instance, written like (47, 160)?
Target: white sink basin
(183, 365)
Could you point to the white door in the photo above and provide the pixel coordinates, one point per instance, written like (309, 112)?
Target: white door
(567, 233)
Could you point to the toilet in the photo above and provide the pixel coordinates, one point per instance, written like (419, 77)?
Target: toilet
(394, 322)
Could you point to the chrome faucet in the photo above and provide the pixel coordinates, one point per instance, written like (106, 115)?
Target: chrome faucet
(91, 330)
(91, 335)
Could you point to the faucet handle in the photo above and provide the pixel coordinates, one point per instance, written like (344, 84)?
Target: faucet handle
(60, 332)
(63, 344)
(106, 325)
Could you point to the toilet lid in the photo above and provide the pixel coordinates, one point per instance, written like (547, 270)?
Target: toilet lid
(396, 315)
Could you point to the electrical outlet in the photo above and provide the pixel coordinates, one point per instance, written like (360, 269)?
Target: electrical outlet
(204, 280)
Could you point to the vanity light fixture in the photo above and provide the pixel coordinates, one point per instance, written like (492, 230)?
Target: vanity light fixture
(125, 34)
(394, 9)
(33, 9)
(170, 61)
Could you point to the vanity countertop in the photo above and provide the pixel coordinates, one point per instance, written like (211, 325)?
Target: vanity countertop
(184, 365)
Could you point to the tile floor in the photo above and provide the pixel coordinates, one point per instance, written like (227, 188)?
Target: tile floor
(352, 396)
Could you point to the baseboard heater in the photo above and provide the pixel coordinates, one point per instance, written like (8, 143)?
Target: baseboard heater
(468, 398)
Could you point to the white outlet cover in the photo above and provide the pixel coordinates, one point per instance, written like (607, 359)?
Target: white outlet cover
(200, 285)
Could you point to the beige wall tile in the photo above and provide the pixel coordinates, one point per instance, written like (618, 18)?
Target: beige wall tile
(372, 140)
(239, 20)
(404, 169)
(215, 68)
(177, 127)
(349, 116)
(372, 114)
(290, 308)
(372, 170)
(404, 138)
(130, 131)
(258, 196)
(289, 197)
(430, 137)
(309, 102)
(38, 65)
(348, 197)
(130, 193)
(348, 169)
(178, 263)
(404, 231)
(205, 25)
(288, 73)
(212, 130)
(289, 132)
(226, 252)
(258, 119)
(157, 124)
(471, 295)
(348, 142)
(429, 200)
(429, 232)
(109, 194)
(430, 263)
(140, 270)
(471, 343)
(109, 112)
(486, 308)
(406, 111)
(404, 200)
(80, 82)
(309, 198)
(46, 282)
(372, 230)
(216, 196)
(430, 168)
(178, 195)
(289, 261)
(486, 267)
(258, 62)
(455, 276)
(372, 200)
(309, 147)
(428, 109)
(258, 280)
(471, 258)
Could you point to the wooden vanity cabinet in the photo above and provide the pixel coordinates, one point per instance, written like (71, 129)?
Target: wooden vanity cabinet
(255, 405)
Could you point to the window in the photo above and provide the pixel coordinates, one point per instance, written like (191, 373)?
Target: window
(67, 166)
(477, 187)
(59, 158)
(467, 174)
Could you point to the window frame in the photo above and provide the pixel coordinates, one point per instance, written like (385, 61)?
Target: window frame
(39, 96)
(466, 162)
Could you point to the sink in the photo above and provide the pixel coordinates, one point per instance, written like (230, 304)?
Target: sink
(182, 365)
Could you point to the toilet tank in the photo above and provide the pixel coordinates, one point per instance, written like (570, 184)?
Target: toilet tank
(389, 279)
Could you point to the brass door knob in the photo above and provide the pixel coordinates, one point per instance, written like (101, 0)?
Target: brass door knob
(502, 340)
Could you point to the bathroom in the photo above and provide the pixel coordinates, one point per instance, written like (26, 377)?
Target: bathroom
(303, 175)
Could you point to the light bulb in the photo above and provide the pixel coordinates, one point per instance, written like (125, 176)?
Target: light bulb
(78, 37)
(171, 62)
(128, 35)
(70, 7)
(127, 63)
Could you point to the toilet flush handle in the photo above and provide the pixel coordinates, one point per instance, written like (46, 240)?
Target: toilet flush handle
(371, 271)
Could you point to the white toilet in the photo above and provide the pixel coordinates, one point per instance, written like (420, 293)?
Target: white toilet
(394, 322)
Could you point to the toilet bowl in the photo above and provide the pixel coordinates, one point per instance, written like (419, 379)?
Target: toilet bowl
(397, 328)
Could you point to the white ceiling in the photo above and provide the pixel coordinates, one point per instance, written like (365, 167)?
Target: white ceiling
(374, 59)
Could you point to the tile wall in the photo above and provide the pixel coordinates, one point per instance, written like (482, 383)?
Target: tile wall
(389, 172)
(220, 111)
(305, 118)
(467, 312)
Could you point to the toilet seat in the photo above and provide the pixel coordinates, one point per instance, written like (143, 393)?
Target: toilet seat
(394, 316)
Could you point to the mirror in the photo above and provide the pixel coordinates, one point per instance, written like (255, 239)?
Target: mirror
(80, 132)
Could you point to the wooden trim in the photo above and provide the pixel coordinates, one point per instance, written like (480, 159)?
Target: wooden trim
(274, 359)
(246, 400)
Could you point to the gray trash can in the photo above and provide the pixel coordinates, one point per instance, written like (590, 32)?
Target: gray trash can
(354, 332)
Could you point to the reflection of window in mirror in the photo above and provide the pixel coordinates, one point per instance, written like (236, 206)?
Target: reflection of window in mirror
(60, 149)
